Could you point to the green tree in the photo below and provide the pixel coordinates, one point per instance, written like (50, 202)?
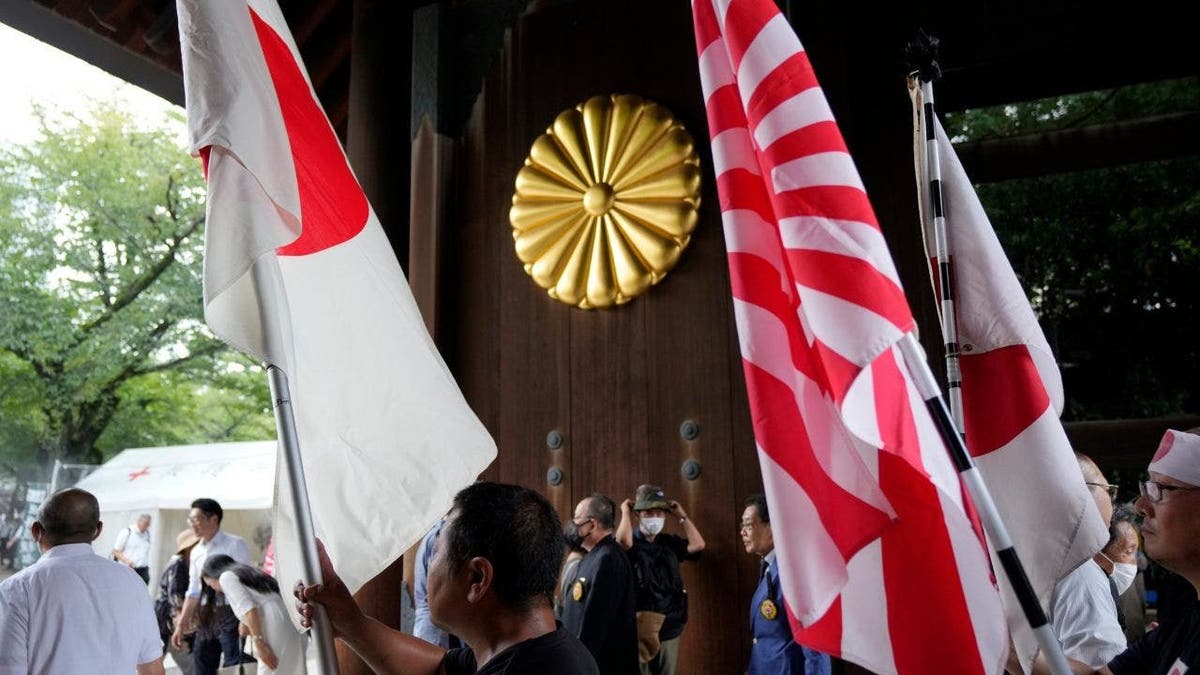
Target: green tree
(102, 340)
(1110, 257)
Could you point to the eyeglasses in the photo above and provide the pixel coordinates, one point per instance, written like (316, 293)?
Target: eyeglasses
(1110, 489)
(746, 527)
(192, 520)
(1153, 491)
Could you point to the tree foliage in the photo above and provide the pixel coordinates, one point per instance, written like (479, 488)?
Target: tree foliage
(102, 341)
(1109, 257)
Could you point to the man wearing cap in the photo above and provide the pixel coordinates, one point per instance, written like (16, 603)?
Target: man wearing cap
(773, 651)
(661, 600)
(1170, 506)
(599, 607)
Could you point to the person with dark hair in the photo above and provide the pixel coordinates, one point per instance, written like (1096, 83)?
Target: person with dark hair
(217, 631)
(1118, 558)
(74, 611)
(254, 597)
(773, 651)
(491, 583)
(661, 600)
(600, 606)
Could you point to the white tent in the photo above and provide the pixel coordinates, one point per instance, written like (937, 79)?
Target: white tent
(163, 482)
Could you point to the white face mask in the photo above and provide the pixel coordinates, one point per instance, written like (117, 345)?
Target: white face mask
(1122, 574)
(652, 526)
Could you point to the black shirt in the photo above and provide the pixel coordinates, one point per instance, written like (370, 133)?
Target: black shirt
(598, 608)
(1175, 641)
(658, 582)
(557, 652)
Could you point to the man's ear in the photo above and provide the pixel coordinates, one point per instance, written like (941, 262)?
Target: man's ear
(36, 530)
(99, 529)
(480, 575)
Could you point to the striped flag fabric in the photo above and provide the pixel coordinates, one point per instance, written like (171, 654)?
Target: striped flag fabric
(299, 273)
(1011, 390)
(879, 560)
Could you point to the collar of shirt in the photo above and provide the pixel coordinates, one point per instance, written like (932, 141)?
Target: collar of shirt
(68, 551)
(770, 558)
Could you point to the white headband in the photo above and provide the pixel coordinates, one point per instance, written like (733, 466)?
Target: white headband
(1178, 456)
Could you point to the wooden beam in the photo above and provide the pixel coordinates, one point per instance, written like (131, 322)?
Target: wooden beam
(1090, 147)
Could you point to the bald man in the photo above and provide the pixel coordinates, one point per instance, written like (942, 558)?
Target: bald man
(74, 611)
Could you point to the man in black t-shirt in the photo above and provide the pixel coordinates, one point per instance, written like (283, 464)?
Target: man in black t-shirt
(491, 582)
(1170, 506)
(655, 556)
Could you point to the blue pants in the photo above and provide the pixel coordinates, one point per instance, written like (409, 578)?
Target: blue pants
(208, 652)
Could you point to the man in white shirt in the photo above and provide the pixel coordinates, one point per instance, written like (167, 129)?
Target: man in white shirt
(132, 547)
(219, 634)
(1082, 610)
(74, 611)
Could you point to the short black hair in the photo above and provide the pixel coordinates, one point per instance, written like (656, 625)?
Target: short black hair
(514, 528)
(759, 502)
(70, 516)
(209, 507)
(1122, 513)
(602, 508)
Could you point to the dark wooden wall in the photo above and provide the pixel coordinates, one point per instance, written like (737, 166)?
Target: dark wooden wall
(616, 384)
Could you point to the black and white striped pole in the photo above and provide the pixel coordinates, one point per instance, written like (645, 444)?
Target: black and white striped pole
(923, 52)
(942, 256)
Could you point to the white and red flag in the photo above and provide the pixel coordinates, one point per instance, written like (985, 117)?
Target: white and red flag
(880, 562)
(1012, 395)
(298, 272)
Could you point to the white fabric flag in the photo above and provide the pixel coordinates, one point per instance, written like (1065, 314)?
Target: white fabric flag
(298, 272)
(1012, 397)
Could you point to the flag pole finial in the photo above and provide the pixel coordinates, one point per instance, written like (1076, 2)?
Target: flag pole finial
(922, 55)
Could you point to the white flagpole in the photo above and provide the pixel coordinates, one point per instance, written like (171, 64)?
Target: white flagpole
(950, 423)
(942, 253)
(285, 427)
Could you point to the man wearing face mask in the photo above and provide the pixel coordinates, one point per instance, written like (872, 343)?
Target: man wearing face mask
(599, 605)
(661, 599)
(1083, 611)
(1118, 558)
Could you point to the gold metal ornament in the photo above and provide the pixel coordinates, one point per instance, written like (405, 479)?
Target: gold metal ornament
(607, 201)
(768, 610)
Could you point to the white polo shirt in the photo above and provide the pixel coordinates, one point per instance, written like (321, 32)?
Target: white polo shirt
(76, 612)
(1084, 616)
(230, 544)
(135, 545)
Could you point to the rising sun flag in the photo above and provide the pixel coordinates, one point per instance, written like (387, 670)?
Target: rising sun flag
(872, 528)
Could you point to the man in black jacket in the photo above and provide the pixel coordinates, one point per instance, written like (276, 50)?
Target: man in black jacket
(599, 606)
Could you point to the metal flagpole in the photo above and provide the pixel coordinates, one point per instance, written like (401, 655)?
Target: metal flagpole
(285, 426)
(950, 422)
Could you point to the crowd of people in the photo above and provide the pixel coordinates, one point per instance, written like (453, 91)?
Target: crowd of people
(502, 588)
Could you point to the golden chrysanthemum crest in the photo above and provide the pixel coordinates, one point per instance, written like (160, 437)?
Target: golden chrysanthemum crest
(606, 201)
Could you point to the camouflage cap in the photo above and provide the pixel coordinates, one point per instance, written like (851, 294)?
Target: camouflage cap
(650, 497)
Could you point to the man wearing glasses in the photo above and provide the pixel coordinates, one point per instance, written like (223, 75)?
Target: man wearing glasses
(218, 633)
(1170, 506)
(1083, 613)
(773, 651)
